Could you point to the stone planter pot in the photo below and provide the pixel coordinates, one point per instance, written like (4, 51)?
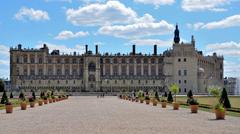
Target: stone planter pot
(23, 105)
(147, 101)
(155, 103)
(50, 100)
(136, 100)
(9, 108)
(220, 115)
(194, 108)
(54, 100)
(175, 105)
(32, 104)
(45, 101)
(164, 104)
(141, 101)
(40, 102)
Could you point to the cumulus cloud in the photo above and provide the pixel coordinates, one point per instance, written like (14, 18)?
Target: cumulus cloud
(64, 35)
(150, 42)
(201, 5)
(231, 21)
(226, 48)
(63, 48)
(137, 30)
(112, 12)
(156, 3)
(231, 68)
(31, 14)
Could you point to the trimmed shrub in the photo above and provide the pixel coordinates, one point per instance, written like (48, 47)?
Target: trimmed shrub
(21, 96)
(33, 95)
(190, 94)
(1, 85)
(11, 95)
(4, 99)
(165, 94)
(170, 98)
(157, 96)
(224, 99)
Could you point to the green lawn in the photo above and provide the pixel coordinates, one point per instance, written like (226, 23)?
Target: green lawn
(15, 103)
(234, 100)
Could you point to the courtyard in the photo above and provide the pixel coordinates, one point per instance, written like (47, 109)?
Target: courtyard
(92, 115)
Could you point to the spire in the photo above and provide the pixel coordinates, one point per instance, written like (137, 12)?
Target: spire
(176, 35)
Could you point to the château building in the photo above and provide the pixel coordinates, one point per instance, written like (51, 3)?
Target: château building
(39, 69)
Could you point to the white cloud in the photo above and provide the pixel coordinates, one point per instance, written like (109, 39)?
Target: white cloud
(31, 14)
(4, 50)
(137, 30)
(231, 21)
(112, 12)
(64, 35)
(156, 3)
(63, 48)
(150, 42)
(231, 69)
(201, 5)
(4, 62)
(226, 48)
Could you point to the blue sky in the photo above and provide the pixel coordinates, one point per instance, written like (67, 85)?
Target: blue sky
(116, 25)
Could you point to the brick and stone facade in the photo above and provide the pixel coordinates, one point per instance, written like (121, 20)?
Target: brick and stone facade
(39, 69)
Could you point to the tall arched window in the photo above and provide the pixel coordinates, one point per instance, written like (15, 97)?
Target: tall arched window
(91, 67)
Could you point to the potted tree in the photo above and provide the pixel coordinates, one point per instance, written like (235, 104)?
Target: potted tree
(147, 99)
(175, 89)
(23, 103)
(192, 102)
(32, 102)
(49, 97)
(45, 100)
(218, 107)
(9, 107)
(164, 101)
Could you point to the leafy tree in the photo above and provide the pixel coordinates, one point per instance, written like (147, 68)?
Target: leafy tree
(33, 95)
(175, 89)
(157, 96)
(4, 98)
(170, 98)
(190, 94)
(224, 99)
(22, 96)
(1, 85)
(11, 95)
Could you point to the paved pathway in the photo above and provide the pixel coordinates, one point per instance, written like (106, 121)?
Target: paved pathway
(89, 115)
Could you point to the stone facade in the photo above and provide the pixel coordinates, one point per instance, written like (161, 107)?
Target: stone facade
(37, 69)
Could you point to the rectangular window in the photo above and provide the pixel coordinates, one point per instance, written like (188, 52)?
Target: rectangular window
(179, 81)
(179, 72)
(185, 81)
(185, 60)
(179, 60)
(185, 72)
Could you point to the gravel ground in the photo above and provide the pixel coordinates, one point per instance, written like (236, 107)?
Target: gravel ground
(89, 115)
